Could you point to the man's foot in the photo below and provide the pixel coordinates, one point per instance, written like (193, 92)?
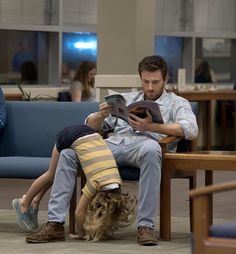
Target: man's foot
(146, 236)
(34, 217)
(49, 232)
(23, 218)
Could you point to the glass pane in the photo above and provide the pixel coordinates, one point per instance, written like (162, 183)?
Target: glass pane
(215, 15)
(174, 15)
(171, 49)
(214, 59)
(17, 47)
(33, 12)
(77, 47)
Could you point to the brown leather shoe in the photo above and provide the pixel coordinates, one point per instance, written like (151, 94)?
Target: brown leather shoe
(146, 236)
(49, 232)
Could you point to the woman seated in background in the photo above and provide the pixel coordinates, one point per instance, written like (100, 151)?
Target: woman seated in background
(29, 73)
(82, 88)
(203, 72)
(2, 110)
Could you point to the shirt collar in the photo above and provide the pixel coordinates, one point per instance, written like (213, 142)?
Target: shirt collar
(161, 99)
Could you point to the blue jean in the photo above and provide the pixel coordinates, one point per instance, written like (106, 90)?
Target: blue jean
(146, 155)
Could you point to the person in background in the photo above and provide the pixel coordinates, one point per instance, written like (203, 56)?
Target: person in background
(82, 88)
(203, 72)
(29, 73)
(22, 55)
(2, 110)
(133, 144)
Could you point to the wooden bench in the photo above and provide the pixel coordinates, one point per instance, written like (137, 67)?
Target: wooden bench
(199, 160)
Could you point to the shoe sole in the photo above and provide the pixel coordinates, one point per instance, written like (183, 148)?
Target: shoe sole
(44, 241)
(151, 243)
(19, 222)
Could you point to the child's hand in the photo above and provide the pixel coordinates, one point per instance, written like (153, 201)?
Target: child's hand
(77, 236)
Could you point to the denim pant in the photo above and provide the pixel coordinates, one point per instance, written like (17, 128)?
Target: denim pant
(145, 154)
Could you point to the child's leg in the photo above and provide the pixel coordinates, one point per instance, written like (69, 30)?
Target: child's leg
(80, 214)
(27, 218)
(40, 185)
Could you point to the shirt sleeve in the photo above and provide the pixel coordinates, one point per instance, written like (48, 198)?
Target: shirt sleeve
(76, 86)
(183, 114)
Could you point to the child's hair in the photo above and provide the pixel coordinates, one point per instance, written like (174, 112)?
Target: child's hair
(108, 211)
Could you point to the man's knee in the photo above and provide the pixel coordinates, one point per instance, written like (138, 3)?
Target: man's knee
(151, 149)
(69, 157)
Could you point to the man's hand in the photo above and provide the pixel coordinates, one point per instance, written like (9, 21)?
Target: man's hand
(105, 109)
(140, 124)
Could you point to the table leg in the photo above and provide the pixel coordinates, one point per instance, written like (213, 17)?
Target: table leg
(208, 124)
(209, 181)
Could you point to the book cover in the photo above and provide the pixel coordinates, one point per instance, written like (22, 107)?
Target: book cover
(138, 108)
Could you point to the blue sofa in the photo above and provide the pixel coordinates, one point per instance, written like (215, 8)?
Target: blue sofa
(28, 137)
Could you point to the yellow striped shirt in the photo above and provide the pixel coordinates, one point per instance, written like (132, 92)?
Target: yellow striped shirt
(98, 163)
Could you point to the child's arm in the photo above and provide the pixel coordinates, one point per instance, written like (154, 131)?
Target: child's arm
(80, 216)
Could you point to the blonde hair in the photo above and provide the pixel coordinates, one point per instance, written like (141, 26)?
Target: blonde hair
(108, 211)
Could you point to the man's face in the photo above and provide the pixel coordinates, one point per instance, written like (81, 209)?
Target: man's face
(153, 84)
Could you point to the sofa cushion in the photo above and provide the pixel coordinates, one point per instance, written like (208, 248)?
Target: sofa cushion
(23, 167)
(129, 173)
(31, 127)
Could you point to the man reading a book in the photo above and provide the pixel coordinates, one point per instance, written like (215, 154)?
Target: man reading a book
(134, 143)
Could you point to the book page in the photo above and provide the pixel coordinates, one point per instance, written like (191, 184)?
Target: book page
(111, 92)
(118, 106)
(139, 109)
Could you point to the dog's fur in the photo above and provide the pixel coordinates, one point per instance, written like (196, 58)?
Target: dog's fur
(108, 211)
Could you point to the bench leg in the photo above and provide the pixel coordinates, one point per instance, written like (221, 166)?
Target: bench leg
(72, 210)
(165, 206)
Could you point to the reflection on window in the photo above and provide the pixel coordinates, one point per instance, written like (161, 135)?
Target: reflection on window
(18, 47)
(217, 53)
(76, 48)
(170, 48)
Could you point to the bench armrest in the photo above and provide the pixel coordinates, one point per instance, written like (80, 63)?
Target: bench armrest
(213, 189)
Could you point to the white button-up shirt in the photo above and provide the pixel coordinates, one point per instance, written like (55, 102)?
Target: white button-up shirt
(174, 109)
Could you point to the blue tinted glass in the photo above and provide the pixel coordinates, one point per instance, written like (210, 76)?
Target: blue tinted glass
(77, 47)
(170, 48)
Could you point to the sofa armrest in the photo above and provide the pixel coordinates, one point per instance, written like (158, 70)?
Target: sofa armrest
(164, 142)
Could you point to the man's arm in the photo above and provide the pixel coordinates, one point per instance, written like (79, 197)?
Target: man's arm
(96, 120)
(146, 124)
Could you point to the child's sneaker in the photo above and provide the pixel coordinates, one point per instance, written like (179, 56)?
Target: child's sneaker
(23, 219)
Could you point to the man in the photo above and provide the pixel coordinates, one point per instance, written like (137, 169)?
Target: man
(133, 144)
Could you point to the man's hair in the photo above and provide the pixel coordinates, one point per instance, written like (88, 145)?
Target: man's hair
(152, 64)
(108, 211)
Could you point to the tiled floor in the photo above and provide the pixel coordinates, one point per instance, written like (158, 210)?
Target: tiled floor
(12, 240)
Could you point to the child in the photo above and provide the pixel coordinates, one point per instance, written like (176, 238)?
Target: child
(102, 176)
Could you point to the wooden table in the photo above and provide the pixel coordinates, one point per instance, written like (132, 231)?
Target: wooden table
(208, 97)
(13, 96)
(199, 160)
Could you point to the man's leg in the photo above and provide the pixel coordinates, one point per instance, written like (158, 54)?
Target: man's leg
(59, 201)
(148, 157)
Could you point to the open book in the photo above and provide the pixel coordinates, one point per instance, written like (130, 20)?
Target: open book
(138, 108)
